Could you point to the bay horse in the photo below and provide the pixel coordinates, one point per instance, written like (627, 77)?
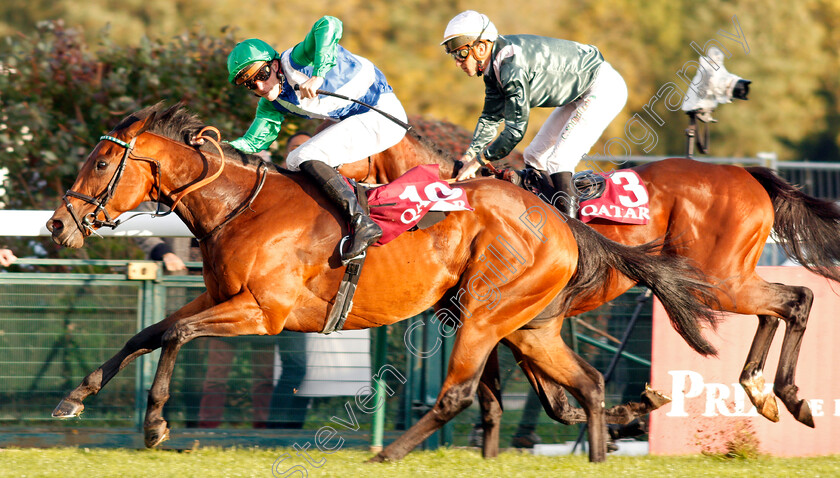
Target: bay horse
(269, 243)
(720, 217)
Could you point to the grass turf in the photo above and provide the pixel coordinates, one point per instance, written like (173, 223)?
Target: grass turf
(248, 462)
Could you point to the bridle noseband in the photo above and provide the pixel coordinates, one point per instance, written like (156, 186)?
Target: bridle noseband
(87, 223)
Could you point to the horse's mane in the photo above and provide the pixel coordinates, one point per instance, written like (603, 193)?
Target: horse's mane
(437, 153)
(440, 141)
(179, 124)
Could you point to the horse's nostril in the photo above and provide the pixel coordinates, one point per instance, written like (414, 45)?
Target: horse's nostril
(55, 225)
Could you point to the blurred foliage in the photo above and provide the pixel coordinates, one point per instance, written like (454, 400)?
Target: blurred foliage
(64, 83)
(57, 97)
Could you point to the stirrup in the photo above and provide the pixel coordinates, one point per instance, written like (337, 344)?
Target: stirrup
(346, 260)
(344, 298)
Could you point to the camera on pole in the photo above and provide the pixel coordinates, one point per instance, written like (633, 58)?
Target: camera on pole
(711, 86)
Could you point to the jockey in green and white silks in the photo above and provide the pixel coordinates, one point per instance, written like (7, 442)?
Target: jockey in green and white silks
(528, 71)
(320, 62)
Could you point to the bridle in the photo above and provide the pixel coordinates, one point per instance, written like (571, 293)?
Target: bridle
(90, 221)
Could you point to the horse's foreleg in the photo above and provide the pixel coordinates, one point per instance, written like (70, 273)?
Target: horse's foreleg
(752, 377)
(784, 386)
(238, 316)
(490, 403)
(147, 340)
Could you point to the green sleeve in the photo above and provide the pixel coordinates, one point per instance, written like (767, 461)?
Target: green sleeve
(263, 131)
(319, 47)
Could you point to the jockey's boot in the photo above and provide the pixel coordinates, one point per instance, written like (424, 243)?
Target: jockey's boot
(363, 231)
(565, 196)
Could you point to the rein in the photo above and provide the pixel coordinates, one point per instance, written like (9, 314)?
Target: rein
(208, 179)
(262, 168)
(370, 168)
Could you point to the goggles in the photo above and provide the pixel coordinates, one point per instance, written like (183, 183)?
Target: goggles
(257, 72)
(462, 53)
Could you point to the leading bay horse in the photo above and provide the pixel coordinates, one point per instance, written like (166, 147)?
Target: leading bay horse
(720, 217)
(269, 244)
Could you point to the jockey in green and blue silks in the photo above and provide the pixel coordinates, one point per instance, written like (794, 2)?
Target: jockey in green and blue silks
(319, 62)
(318, 56)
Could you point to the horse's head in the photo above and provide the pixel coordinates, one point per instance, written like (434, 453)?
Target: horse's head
(94, 199)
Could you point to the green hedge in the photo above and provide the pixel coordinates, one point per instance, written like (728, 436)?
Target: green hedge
(58, 95)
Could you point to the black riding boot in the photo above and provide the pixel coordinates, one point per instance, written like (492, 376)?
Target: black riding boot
(565, 196)
(363, 231)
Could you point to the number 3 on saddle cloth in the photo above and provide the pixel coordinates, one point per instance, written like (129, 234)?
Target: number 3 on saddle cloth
(397, 207)
(616, 196)
(401, 204)
(624, 200)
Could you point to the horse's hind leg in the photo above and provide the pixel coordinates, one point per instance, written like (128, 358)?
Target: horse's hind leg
(786, 390)
(490, 404)
(145, 341)
(556, 404)
(473, 345)
(752, 377)
(552, 366)
(793, 305)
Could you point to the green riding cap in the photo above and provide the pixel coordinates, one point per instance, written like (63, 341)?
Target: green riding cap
(247, 52)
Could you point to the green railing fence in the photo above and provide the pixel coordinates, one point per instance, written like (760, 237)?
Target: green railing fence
(60, 319)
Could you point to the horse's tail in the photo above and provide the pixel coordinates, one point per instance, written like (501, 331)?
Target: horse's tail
(807, 228)
(681, 287)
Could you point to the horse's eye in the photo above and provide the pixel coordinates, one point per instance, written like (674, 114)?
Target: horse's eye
(101, 164)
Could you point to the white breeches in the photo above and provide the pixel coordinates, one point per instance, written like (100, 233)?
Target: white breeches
(572, 129)
(353, 138)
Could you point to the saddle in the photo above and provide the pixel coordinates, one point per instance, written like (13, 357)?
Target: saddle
(588, 184)
(416, 200)
(618, 196)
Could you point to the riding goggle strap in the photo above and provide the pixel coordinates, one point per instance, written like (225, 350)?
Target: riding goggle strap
(89, 221)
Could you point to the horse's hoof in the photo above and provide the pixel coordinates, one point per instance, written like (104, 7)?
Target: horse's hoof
(769, 409)
(654, 398)
(156, 435)
(765, 403)
(803, 414)
(378, 458)
(68, 408)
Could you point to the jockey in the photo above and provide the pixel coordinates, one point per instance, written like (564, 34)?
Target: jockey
(320, 61)
(526, 71)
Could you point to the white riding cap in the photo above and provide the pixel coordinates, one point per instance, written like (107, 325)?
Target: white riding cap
(466, 27)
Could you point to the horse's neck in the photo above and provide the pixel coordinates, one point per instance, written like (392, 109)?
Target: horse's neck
(208, 207)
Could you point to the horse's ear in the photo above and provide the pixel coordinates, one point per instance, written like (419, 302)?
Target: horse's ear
(140, 126)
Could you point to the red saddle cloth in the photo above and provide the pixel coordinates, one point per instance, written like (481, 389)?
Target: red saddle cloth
(399, 205)
(625, 200)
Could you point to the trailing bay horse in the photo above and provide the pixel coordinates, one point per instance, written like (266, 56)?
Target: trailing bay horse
(269, 245)
(720, 217)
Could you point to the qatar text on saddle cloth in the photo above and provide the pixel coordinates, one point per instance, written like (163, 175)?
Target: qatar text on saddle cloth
(399, 205)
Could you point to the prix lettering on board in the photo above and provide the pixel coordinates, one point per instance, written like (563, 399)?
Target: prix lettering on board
(726, 400)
